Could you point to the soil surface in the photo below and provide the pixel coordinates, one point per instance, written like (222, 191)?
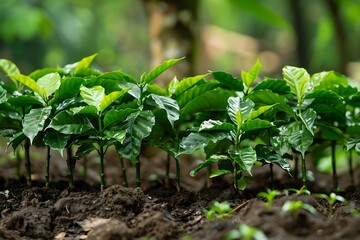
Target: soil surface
(157, 211)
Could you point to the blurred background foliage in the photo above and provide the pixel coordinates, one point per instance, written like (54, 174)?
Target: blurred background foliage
(230, 34)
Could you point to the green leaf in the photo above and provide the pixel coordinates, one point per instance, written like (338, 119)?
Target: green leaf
(219, 172)
(245, 158)
(93, 96)
(278, 86)
(3, 93)
(70, 87)
(85, 149)
(68, 123)
(50, 82)
(197, 141)
(118, 76)
(113, 117)
(235, 104)
(169, 105)
(30, 83)
(160, 69)
(353, 143)
(212, 159)
(267, 97)
(308, 118)
(215, 125)
(259, 111)
(228, 81)
(327, 80)
(298, 80)
(138, 127)
(119, 136)
(171, 87)
(255, 124)
(299, 137)
(34, 122)
(110, 98)
(56, 140)
(213, 100)
(249, 77)
(9, 69)
(24, 100)
(188, 83)
(84, 63)
(264, 152)
(194, 92)
(280, 142)
(331, 133)
(42, 72)
(16, 140)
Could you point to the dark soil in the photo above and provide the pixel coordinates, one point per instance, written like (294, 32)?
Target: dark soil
(160, 212)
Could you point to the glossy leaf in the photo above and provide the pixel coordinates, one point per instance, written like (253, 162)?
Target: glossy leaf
(118, 76)
(299, 137)
(194, 92)
(25, 100)
(93, 96)
(249, 77)
(187, 83)
(212, 159)
(298, 80)
(68, 123)
(264, 152)
(56, 140)
(228, 81)
(219, 172)
(160, 69)
(85, 149)
(70, 87)
(331, 133)
(34, 122)
(259, 111)
(245, 158)
(30, 83)
(84, 63)
(169, 105)
(215, 125)
(9, 68)
(113, 117)
(236, 103)
(255, 124)
(278, 86)
(119, 136)
(308, 118)
(110, 98)
(197, 141)
(50, 82)
(329, 79)
(3, 97)
(138, 127)
(16, 140)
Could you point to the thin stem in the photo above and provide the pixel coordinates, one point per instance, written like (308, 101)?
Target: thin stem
(303, 171)
(102, 174)
(333, 163)
(167, 170)
(177, 178)
(208, 172)
(27, 162)
(235, 175)
(47, 167)
(18, 164)
(137, 166)
(351, 169)
(296, 167)
(123, 170)
(70, 167)
(271, 176)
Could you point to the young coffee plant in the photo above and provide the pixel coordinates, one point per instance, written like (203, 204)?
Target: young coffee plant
(269, 195)
(331, 199)
(245, 232)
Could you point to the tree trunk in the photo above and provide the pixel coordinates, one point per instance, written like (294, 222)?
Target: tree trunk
(172, 30)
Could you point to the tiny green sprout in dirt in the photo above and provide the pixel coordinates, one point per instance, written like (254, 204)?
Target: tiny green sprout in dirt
(301, 191)
(331, 199)
(269, 195)
(219, 210)
(245, 232)
(295, 206)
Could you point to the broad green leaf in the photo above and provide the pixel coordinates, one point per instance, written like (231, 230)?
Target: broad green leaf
(119, 136)
(255, 124)
(259, 111)
(331, 133)
(3, 97)
(195, 91)
(239, 118)
(84, 63)
(171, 87)
(212, 159)
(188, 83)
(228, 81)
(278, 86)
(308, 118)
(93, 96)
(9, 69)
(353, 143)
(110, 98)
(262, 12)
(236, 103)
(299, 137)
(16, 140)
(68, 123)
(267, 97)
(138, 127)
(169, 105)
(117, 76)
(25, 100)
(56, 140)
(215, 125)
(89, 111)
(50, 82)
(42, 72)
(249, 77)
(213, 100)
(152, 88)
(280, 142)
(298, 80)
(113, 117)
(219, 172)
(30, 83)
(327, 80)
(197, 141)
(160, 69)
(264, 152)
(70, 87)
(85, 149)
(34, 122)
(245, 158)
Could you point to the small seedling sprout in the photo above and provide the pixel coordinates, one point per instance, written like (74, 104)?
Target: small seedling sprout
(332, 198)
(294, 206)
(269, 195)
(218, 210)
(301, 191)
(246, 232)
